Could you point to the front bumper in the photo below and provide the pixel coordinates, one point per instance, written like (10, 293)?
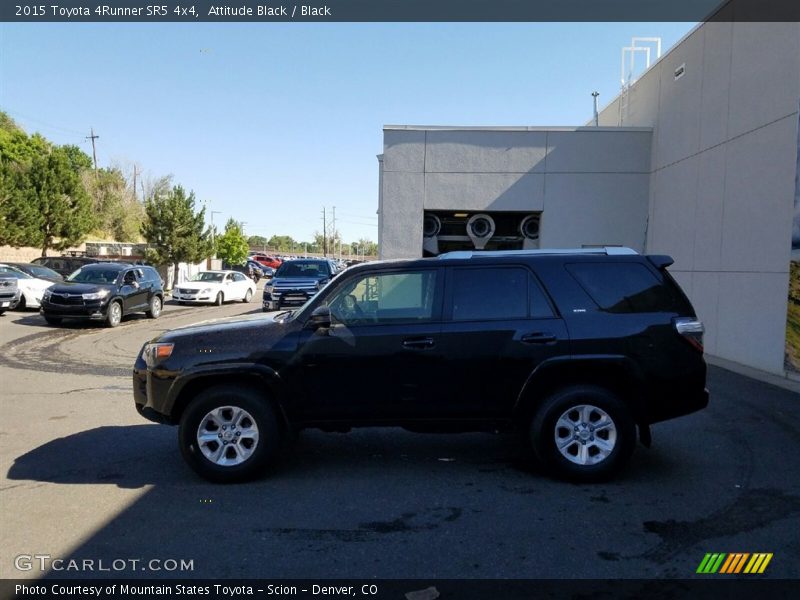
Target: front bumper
(88, 309)
(143, 400)
(286, 297)
(194, 298)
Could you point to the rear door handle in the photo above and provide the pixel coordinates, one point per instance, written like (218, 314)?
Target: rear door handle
(418, 343)
(538, 337)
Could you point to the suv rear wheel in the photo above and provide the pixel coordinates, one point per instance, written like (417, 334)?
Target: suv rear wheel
(228, 434)
(583, 433)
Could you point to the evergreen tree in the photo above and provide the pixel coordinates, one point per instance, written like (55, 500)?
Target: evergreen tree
(175, 232)
(53, 208)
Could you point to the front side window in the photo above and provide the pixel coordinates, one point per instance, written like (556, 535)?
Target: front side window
(385, 298)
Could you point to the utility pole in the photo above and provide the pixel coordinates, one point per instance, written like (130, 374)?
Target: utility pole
(324, 234)
(93, 137)
(596, 116)
(134, 183)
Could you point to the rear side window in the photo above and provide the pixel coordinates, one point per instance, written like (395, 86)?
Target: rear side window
(487, 293)
(625, 287)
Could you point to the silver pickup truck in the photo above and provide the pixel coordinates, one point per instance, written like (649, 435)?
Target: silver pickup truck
(9, 294)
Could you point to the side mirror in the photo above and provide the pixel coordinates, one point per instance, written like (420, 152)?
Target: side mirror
(321, 317)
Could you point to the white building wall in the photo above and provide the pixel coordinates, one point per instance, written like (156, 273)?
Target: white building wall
(591, 184)
(723, 177)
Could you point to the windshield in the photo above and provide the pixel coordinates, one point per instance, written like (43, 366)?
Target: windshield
(316, 270)
(12, 272)
(44, 272)
(84, 275)
(215, 277)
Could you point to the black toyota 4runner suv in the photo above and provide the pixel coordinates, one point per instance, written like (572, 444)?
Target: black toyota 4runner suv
(576, 349)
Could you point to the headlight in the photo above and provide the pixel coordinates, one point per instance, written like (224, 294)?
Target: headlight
(96, 295)
(156, 353)
(206, 291)
(46, 295)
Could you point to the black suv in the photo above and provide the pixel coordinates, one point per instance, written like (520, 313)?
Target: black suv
(296, 281)
(576, 349)
(65, 265)
(104, 292)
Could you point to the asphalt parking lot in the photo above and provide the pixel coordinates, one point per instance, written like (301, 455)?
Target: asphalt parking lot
(83, 476)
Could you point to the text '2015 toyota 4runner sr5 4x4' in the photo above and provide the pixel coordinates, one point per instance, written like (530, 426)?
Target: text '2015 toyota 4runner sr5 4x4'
(576, 349)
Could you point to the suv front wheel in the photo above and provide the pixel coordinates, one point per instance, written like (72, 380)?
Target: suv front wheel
(583, 434)
(114, 314)
(228, 434)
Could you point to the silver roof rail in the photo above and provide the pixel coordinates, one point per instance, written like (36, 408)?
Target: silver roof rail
(607, 250)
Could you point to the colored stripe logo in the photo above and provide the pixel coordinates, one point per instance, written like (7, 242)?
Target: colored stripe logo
(734, 563)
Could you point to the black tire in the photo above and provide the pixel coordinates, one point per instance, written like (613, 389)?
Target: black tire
(114, 314)
(265, 450)
(248, 296)
(155, 307)
(52, 320)
(220, 299)
(21, 305)
(544, 432)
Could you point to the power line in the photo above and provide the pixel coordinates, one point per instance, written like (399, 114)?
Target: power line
(48, 125)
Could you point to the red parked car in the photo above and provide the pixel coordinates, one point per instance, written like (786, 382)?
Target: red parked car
(267, 261)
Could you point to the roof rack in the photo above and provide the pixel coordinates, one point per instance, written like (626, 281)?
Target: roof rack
(606, 250)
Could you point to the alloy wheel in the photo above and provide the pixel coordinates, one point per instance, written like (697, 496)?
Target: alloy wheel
(227, 436)
(585, 434)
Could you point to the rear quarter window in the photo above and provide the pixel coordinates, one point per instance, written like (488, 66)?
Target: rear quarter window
(626, 288)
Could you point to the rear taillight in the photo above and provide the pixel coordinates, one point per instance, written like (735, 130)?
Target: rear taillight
(692, 330)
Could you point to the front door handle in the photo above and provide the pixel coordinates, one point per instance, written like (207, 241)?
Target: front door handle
(538, 337)
(418, 343)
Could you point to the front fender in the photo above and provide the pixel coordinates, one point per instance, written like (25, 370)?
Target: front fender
(187, 383)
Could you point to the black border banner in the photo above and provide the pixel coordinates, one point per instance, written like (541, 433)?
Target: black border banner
(330, 11)
(711, 587)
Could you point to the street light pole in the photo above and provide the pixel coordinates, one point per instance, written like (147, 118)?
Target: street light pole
(213, 212)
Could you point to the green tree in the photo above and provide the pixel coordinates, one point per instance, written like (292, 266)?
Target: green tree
(232, 246)
(175, 232)
(257, 241)
(18, 214)
(59, 211)
(283, 243)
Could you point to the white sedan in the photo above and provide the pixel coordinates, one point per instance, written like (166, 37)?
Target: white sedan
(31, 288)
(215, 287)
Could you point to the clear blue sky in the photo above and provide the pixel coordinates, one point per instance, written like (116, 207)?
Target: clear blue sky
(269, 122)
